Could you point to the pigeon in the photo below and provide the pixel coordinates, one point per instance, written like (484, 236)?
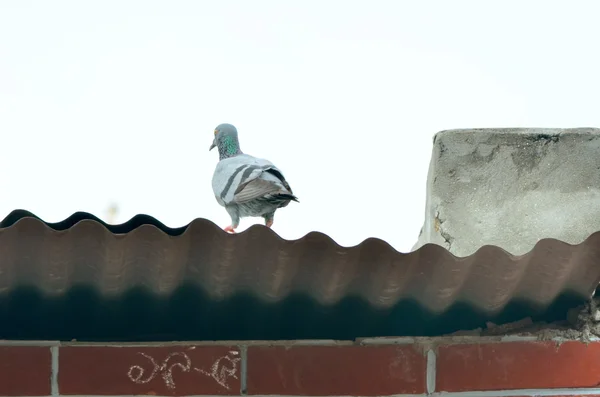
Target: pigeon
(245, 185)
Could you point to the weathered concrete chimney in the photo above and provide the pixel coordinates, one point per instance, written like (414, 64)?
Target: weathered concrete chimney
(511, 188)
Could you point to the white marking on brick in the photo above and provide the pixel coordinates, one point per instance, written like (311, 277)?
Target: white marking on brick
(136, 372)
(54, 374)
(431, 371)
(220, 373)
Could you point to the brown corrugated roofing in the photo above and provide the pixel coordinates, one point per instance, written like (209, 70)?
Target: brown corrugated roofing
(111, 261)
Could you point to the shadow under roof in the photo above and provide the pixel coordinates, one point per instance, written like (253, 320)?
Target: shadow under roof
(86, 280)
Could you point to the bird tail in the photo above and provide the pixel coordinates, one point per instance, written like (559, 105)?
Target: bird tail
(281, 199)
(287, 197)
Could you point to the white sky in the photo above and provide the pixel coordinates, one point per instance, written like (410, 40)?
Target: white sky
(116, 101)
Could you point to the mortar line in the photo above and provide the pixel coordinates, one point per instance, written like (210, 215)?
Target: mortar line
(431, 371)
(200, 343)
(443, 340)
(243, 370)
(459, 340)
(402, 340)
(33, 343)
(521, 392)
(495, 393)
(212, 395)
(54, 374)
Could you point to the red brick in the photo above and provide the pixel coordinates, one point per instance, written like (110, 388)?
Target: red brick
(25, 371)
(164, 370)
(518, 365)
(335, 370)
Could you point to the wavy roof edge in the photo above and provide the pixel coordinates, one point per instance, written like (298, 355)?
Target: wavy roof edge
(143, 220)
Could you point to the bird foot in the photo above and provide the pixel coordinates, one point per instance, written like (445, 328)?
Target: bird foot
(269, 223)
(229, 229)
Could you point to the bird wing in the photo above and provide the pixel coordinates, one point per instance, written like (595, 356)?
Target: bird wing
(264, 185)
(233, 172)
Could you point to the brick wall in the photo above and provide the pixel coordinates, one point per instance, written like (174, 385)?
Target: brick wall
(512, 366)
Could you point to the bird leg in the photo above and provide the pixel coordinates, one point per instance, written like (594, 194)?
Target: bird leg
(229, 229)
(269, 219)
(235, 219)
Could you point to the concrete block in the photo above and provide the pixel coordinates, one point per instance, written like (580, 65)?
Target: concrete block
(511, 188)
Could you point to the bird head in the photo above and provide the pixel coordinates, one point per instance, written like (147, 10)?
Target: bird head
(226, 137)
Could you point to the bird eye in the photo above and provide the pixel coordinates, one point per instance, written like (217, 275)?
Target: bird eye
(216, 132)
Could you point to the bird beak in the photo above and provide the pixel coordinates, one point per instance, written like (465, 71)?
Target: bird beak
(212, 146)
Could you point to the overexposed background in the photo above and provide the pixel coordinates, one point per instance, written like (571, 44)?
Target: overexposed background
(116, 101)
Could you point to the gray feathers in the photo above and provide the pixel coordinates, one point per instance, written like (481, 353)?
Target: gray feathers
(248, 186)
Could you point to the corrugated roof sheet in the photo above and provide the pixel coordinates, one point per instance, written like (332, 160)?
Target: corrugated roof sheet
(82, 278)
